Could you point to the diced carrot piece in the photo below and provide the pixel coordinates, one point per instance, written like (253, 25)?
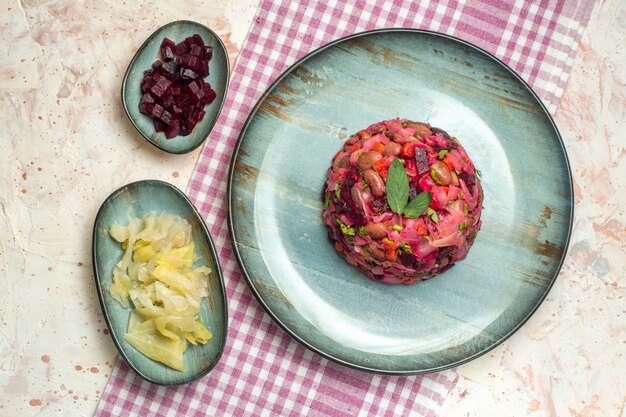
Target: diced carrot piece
(408, 150)
(378, 165)
(379, 147)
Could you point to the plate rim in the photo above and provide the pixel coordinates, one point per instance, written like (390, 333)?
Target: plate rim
(132, 62)
(255, 291)
(217, 269)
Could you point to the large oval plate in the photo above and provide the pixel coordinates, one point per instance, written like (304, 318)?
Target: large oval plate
(136, 200)
(280, 164)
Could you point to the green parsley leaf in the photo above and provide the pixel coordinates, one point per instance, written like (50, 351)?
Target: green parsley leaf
(326, 200)
(442, 153)
(417, 206)
(397, 227)
(337, 194)
(397, 187)
(479, 173)
(361, 230)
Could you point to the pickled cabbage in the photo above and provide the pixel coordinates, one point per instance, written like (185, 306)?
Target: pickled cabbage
(156, 278)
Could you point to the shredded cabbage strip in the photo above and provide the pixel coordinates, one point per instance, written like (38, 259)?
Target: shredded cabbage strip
(156, 278)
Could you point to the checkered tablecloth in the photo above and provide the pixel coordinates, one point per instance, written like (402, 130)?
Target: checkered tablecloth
(263, 371)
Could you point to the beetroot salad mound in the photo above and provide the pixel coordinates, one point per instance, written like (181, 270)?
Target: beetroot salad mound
(402, 201)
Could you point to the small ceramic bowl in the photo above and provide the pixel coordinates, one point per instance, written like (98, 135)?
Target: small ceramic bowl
(135, 200)
(142, 61)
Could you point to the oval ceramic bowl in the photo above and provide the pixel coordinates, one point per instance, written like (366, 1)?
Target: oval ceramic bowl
(280, 164)
(135, 200)
(148, 53)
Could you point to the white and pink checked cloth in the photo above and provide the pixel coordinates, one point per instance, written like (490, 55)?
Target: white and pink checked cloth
(263, 371)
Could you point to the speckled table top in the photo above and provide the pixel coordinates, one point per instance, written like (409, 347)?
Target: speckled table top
(66, 144)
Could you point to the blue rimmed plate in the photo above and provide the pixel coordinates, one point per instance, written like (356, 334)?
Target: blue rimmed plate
(280, 164)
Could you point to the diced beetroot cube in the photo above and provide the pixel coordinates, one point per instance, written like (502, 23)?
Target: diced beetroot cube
(189, 41)
(177, 111)
(181, 49)
(146, 104)
(147, 98)
(182, 99)
(161, 86)
(189, 112)
(168, 101)
(168, 54)
(187, 61)
(199, 115)
(194, 90)
(157, 91)
(190, 61)
(208, 52)
(209, 94)
(199, 92)
(166, 117)
(197, 39)
(199, 95)
(162, 82)
(169, 67)
(173, 129)
(175, 91)
(148, 74)
(167, 49)
(146, 108)
(197, 66)
(188, 74)
(157, 110)
(196, 50)
(421, 161)
(183, 60)
(159, 126)
(203, 68)
(147, 85)
(156, 65)
(175, 77)
(190, 123)
(168, 42)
